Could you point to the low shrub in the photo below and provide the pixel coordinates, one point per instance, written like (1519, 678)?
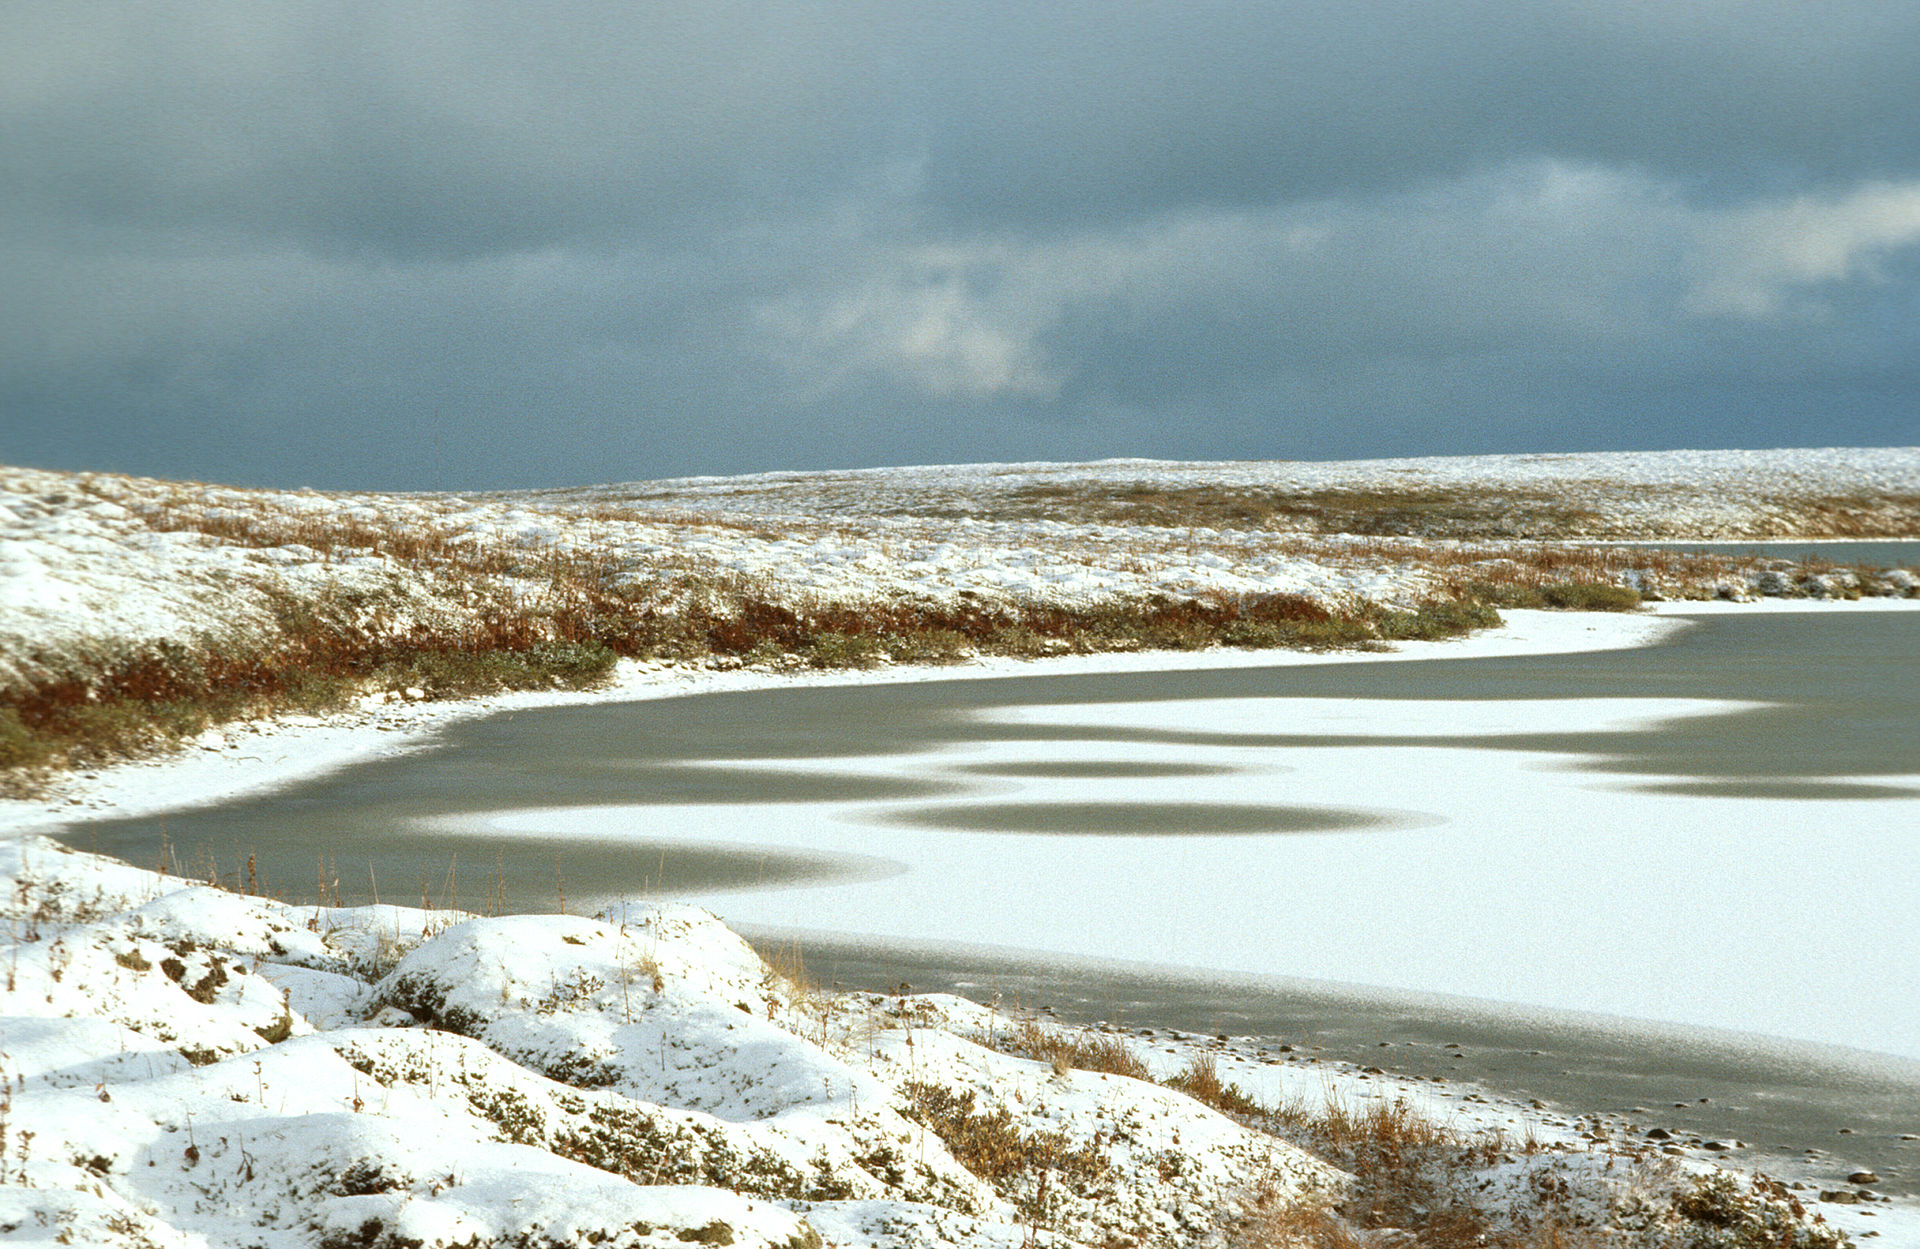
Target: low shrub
(1589, 596)
(1562, 595)
(844, 650)
(1435, 620)
(1763, 1214)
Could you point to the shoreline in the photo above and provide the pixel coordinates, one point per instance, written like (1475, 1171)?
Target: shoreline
(251, 758)
(1771, 1101)
(257, 757)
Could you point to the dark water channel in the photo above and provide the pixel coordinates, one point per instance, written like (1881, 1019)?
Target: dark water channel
(1842, 722)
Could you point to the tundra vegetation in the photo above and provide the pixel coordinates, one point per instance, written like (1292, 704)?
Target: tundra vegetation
(266, 603)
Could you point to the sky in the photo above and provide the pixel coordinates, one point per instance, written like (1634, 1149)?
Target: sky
(487, 245)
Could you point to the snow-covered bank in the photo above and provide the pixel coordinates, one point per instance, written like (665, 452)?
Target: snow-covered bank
(1786, 493)
(94, 564)
(190, 1067)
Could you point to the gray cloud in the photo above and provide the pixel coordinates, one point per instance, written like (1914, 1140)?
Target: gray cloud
(425, 246)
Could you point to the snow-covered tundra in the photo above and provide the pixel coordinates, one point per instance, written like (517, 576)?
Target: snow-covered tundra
(181, 1065)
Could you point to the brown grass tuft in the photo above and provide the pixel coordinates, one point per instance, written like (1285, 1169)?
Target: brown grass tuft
(1201, 1081)
(1022, 1165)
(1072, 1048)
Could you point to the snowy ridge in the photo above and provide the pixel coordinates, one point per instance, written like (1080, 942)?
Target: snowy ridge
(1696, 494)
(1789, 471)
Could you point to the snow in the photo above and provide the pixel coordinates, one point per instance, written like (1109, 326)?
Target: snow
(184, 1066)
(1711, 481)
(630, 1080)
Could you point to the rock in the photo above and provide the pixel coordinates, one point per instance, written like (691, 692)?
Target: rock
(1863, 1177)
(1659, 1134)
(1841, 1197)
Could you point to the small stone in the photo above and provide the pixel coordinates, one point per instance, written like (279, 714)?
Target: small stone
(1659, 1134)
(1841, 1197)
(1863, 1177)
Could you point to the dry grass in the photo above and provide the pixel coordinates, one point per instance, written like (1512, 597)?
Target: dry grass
(318, 656)
(1275, 1224)
(1272, 1223)
(1425, 512)
(1453, 512)
(1201, 1081)
(1020, 1164)
(809, 1005)
(1072, 1048)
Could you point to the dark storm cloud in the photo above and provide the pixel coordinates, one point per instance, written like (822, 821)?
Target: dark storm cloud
(438, 245)
(429, 128)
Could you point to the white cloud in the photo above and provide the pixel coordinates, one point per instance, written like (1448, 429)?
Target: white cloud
(1574, 260)
(927, 332)
(1754, 260)
(1543, 252)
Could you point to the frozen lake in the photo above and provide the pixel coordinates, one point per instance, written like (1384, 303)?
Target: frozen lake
(1719, 831)
(1715, 831)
